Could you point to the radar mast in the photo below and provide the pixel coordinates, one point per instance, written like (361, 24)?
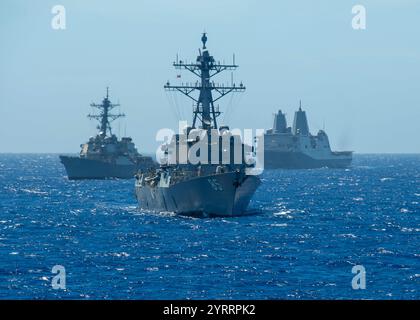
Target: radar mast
(105, 117)
(205, 68)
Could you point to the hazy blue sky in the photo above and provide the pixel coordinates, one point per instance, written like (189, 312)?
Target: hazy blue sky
(364, 85)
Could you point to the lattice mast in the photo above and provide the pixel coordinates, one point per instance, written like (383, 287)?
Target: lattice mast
(105, 117)
(205, 68)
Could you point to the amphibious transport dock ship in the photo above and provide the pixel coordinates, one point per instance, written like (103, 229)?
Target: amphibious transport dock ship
(296, 148)
(104, 156)
(211, 187)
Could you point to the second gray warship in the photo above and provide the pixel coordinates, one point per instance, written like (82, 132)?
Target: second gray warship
(104, 156)
(212, 187)
(296, 148)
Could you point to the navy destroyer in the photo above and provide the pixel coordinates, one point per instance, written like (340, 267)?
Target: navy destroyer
(104, 156)
(217, 185)
(296, 148)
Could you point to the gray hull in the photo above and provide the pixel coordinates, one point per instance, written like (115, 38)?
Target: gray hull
(78, 168)
(214, 195)
(299, 160)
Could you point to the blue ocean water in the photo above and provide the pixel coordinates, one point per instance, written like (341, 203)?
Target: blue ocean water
(308, 231)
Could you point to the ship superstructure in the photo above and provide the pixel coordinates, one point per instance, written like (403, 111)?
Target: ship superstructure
(217, 185)
(104, 155)
(296, 148)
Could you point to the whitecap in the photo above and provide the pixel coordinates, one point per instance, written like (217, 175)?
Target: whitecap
(282, 213)
(403, 229)
(347, 235)
(152, 269)
(384, 251)
(166, 214)
(121, 254)
(278, 225)
(35, 191)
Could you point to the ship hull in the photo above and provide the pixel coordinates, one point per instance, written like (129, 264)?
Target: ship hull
(79, 168)
(212, 196)
(299, 160)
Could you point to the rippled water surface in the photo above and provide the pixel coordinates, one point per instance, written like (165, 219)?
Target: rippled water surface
(308, 230)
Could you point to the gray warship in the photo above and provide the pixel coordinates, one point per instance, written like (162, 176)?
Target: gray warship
(105, 156)
(296, 148)
(209, 188)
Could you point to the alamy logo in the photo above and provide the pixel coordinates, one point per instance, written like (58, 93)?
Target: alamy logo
(359, 19)
(59, 280)
(359, 280)
(58, 22)
(199, 146)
